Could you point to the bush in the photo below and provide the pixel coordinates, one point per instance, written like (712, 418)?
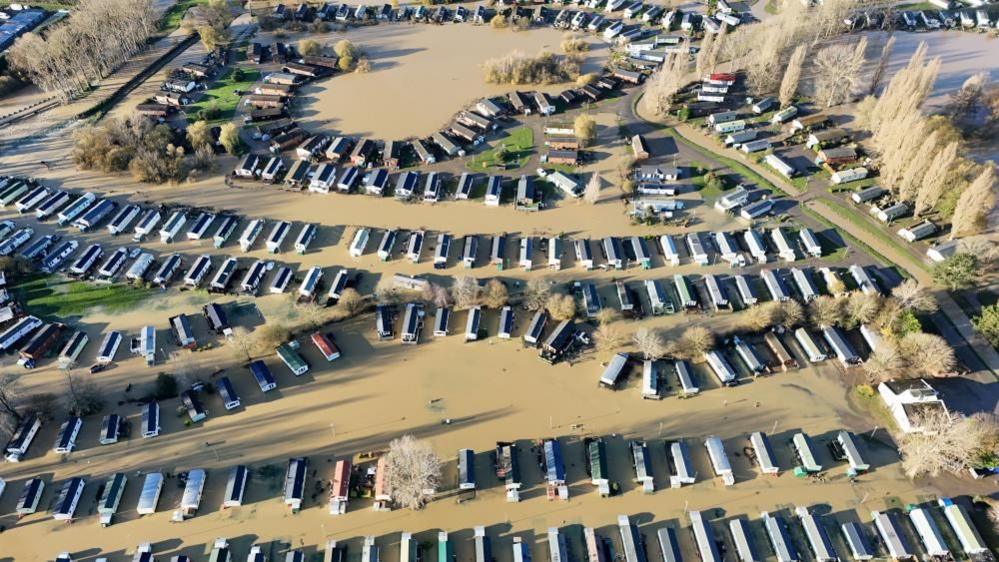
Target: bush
(309, 47)
(543, 68)
(238, 74)
(166, 387)
(499, 21)
(574, 44)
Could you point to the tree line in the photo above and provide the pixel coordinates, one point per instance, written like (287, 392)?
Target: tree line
(97, 37)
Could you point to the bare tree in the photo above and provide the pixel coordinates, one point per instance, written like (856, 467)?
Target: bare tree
(10, 396)
(229, 138)
(915, 171)
(314, 314)
(703, 55)
(825, 311)
(536, 293)
(84, 397)
(466, 292)
(762, 316)
(860, 308)
(242, 343)
(561, 307)
(937, 178)
(694, 343)
(592, 193)
(663, 85)
(885, 363)
(879, 70)
(927, 354)
(792, 73)
(650, 343)
(913, 296)
(944, 444)
(792, 313)
(351, 303)
(495, 294)
(585, 128)
(607, 315)
(413, 470)
(837, 69)
(975, 203)
(608, 337)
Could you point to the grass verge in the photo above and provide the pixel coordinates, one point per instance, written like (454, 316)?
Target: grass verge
(887, 239)
(52, 296)
(734, 165)
(174, 15)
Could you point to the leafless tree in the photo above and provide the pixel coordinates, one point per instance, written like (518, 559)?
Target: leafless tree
(242, 343)
(860, 308)
(927, 354)
(664, 84)
(536, 293)
(885, 363)
(229, 138)
(84, 397)
(703, 54)
(937, 179)
(825, 311)
(650, 343)
(413, 470)
(837, 69)
(438, 295)
(561, 307)
(10, 397)
(607, 316)
(792, 73)
(694, 343)
(975, 203)
(495, 294)
(351, 303)
(465, 292)
(762, 316)
(913, 296)
(944, 444)
(879, 70)
(913, 174)
(592, 193)
(608, 337)
(792, 313)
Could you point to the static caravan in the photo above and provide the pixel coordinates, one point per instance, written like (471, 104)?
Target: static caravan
(739, 528)
(597, 456)
(281, 280)
(152, 486)
(687, 299)
(412, 323)
(307, 290)
(387, 244)
(254, 275)
(810, 242)
(918, 231)
(843, 350)
(146, 225)
(719, 299)
(494, 191)
(591, 300)
(774, 285)
(696, 248)
(111, 426)
(220, 551)
(526, 260)
(891, 535)
(614, 254)
(74, 210)
(803, 451)
(137, 271)
(658, 299)
(803, 280)
(642, 463)
(721, 368)
(294, 483)
(348, 179)
(66, 438)
(719, 460)
(780, 541)
(172, 227)
(150, 419)
(847, 176)
(505, 323)
(288, 353)
(442, 249)
(745, 290)
(278, 233)
(217, 320)
(888, 214)
(497, 254)
(554, 253)
(193, 490)
(121, 221)
(100, 211)
(469, 250)
(704, 538)
(113, 264)
(730, 252)
(669, 546)
(195, 411)
(31, 496)
(964, 529)
(812, 351)
(537, 326)
(508, 469)
(199, 269)
(55, 258)
(147, 344)
(784, 249)
(200, 225)
(263, 376)
(109, 347)
(558, 549)
(615, 368)
(250, 234)
(847, 449)
(868, 194)
(110, 499)
(87, 260)
(928, 532)
(235, 486)
(864, 281)
(756, 246)
(466, 469)
(473, 323)
(856, 540)
(583, 253)
(555, 470)
(465, 184)
(230, 400)
(685, 377)
(747, 353)
(325, 344)
(360, 242)
(227, 225)
(21, 440)
(631, 540)
(818, 539)
(383, 322)
(340, 488)
(668, 247)
(415, 247)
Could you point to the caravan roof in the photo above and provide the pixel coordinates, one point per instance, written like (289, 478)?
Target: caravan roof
(764, 453)
(235, 486)
(719, 459)
(891, 534)
(669, 547)
(803, 450)
(817, 537)
(680, 457)
(631, 541)
(850, 450)
(779, 539)
(613, 371)
(928, 532)
(554, 467)
(741, 534)
(707, 546)
(856, 539)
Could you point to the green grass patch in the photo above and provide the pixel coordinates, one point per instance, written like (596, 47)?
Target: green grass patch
(771, 7)
(519, 144)
(222, 97)
(175, 14)
(918, 6)
(54, 296)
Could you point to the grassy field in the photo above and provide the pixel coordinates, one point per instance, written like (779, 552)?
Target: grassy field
(48, 296)
(886, 238)
(175, 14)
(222, 96)
(519, 143)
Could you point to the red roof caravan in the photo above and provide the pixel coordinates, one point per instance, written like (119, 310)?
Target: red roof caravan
(326, 346)
(340, 488)
(722, 78)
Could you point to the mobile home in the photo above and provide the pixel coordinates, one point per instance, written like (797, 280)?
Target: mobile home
(812, 351)
(719, 460)
(704, 538)
(110, 498)
(294, 483)
(152, 486)
(235, 486)
(780, 541)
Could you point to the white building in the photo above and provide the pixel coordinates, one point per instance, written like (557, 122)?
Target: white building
(907, 400)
